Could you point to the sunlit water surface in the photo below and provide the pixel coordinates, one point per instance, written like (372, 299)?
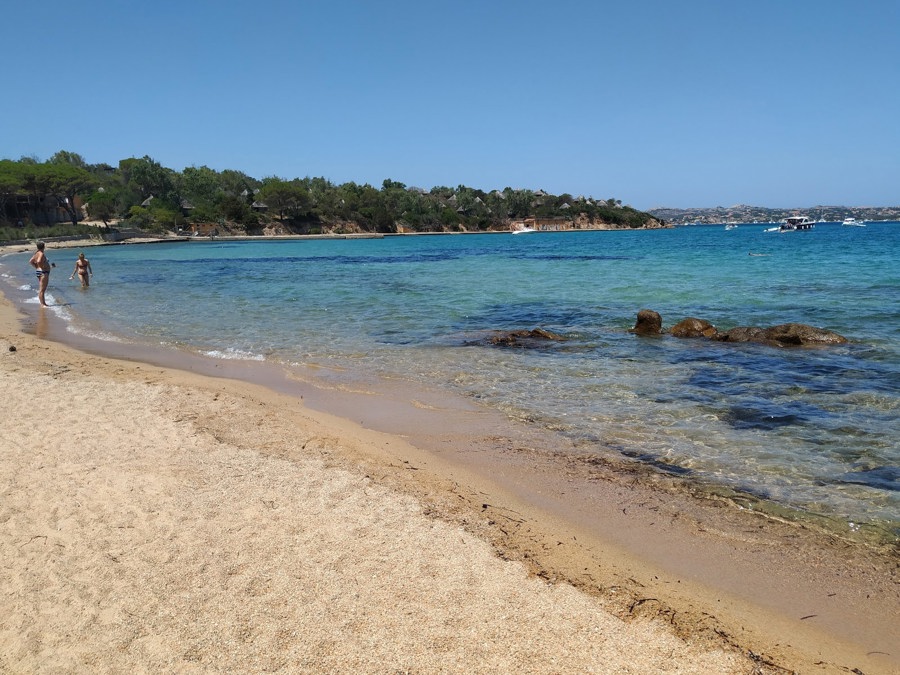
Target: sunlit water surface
(809, 429)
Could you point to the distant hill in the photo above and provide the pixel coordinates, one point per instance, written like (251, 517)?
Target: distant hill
(759, 214)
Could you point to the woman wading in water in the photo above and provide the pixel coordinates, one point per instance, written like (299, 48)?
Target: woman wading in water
(83, 270)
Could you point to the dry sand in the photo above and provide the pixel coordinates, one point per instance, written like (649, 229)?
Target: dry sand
(157, 520)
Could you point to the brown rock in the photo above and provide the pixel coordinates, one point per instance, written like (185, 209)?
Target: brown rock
(524, 338)
(783, 335)
(741, 334)
(692, 328)
(648, 323)
(801, 334)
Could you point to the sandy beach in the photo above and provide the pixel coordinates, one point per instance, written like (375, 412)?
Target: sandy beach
(161, 519)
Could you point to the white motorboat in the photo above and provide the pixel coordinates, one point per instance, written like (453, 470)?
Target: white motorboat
(853, 222)
(794, 223)
(524, 230)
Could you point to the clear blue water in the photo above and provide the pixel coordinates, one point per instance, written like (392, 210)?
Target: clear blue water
(814, 430)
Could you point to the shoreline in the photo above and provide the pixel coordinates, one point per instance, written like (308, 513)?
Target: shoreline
(869, 533)
(634, 540)
(75, 241)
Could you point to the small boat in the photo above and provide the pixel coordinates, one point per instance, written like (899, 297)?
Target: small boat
(853, 222)
(523, 230)
(794, 223)
(730, 226)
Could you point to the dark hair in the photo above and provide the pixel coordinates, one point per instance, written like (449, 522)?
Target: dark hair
(40, 246)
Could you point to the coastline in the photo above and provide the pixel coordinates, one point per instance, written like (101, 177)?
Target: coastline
(699, 574)
(75, 242)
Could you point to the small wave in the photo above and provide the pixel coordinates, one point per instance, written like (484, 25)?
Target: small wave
(59, 310)
(234, 354)
(94, 334)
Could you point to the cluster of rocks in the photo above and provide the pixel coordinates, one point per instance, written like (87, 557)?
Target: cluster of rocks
(783, 335)
(649, 322)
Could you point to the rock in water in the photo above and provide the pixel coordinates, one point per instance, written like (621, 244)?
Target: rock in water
(691, 328)
(783, 335)
(648, 323)
(801, 334)
(525, 338)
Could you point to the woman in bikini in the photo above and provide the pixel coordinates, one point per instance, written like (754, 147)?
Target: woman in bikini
(41, 265)
(83, 270)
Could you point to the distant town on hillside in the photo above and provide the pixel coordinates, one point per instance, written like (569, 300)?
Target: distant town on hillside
(759, 214)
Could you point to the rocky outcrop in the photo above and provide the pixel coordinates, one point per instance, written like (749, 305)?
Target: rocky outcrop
(691, 327)
(583, 222)
(648, 323)
(783, 335)
(524, 338)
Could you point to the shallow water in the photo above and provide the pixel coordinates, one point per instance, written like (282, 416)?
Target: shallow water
(808, 429)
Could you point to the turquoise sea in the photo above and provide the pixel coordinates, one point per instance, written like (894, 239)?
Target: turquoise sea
(810, 430)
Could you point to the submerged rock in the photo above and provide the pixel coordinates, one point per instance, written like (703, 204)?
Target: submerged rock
(741, 334)
(525, 338)
(783, 335)
(801, 334)
(648, 323)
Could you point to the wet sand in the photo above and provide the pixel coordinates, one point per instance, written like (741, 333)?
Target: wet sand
(221, 516)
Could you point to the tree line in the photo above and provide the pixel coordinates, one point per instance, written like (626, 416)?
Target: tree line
(142, 193)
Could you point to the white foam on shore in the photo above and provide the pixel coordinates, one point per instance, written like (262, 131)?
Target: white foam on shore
(94, 334)
(234, 355)
(59, 310)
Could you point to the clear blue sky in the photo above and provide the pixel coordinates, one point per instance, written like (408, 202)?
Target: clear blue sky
(776, 103)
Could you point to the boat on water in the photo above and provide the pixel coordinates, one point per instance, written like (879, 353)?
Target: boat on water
(523, 230)
(730, 226)
(794, 223)
(853, 222)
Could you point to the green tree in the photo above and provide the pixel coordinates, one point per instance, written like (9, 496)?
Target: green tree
(140, 217)
(519, 203)
(285, 197)
(150, 179)
(165, 217)
(66, 157)
(238, 184)
(236, 209)
(11, 184)
(68, 182)
(200, 185)
(101, 205)
(36, 184)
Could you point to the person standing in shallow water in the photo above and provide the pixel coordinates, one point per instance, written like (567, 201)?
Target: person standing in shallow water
(42, 265)
(83, 270)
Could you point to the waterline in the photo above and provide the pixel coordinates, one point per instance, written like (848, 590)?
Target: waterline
(806, 429)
